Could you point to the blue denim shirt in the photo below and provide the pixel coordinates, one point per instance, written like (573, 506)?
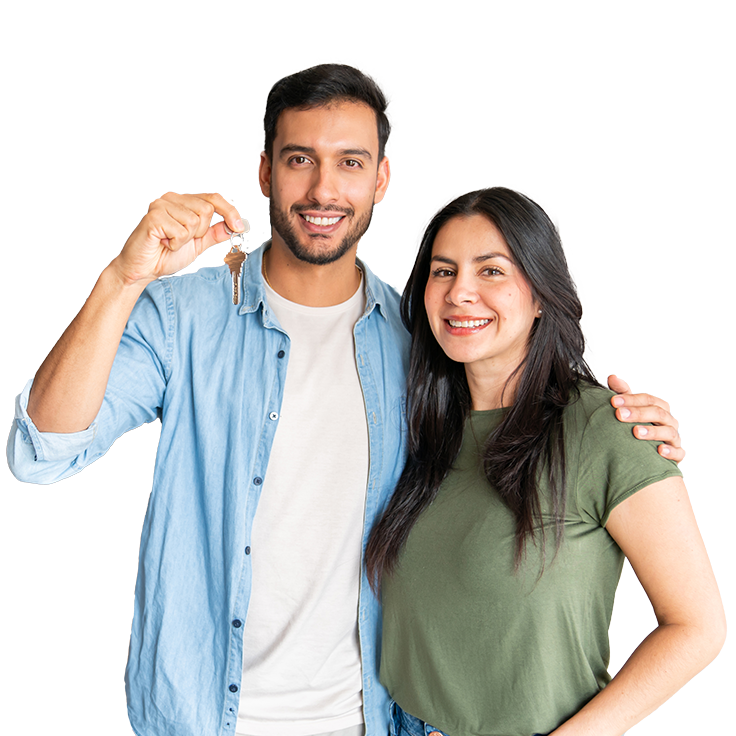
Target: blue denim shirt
(214, 375)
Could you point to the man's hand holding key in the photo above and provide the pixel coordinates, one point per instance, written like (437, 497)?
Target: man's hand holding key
(174, 232)
(70, 385)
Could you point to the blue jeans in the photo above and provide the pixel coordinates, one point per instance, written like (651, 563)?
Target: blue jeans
(401, 723)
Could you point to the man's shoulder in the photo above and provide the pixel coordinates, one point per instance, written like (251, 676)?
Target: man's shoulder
(390, 299)
(385, 295)
(204, 279)
(186, 291)
(184, 298)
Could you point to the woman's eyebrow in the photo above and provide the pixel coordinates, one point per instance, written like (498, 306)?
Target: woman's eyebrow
(488, 256)
(477, 259)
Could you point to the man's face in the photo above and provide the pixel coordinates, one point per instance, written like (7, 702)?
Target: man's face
(323, 179)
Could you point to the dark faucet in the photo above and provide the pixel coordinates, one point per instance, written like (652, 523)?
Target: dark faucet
(10, 395)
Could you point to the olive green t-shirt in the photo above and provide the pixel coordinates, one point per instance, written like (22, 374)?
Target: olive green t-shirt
(474, 647)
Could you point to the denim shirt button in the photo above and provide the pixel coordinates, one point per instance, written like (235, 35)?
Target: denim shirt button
(258, 480)
(233, 688)
(273, 415)
(280, 354)
(247, 550)
(237, 623)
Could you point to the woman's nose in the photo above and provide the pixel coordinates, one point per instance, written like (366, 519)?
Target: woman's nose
(462, 292)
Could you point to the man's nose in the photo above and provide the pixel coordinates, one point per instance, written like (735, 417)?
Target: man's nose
(325, 187)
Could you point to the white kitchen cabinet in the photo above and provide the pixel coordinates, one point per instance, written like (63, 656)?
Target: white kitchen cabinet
(39, 181)
(39, 258)
(96, 246)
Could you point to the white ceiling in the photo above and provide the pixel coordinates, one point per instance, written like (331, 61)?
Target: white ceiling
(187, 106)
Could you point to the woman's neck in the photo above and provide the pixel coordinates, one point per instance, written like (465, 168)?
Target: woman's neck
(491, 387)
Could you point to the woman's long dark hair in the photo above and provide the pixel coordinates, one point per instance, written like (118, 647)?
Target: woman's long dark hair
(529, 439)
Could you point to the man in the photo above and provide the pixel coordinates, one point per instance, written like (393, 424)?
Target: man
(252, 614)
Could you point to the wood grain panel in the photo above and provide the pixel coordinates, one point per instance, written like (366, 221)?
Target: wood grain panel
(71, 569)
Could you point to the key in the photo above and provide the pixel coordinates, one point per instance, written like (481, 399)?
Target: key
(235, 258)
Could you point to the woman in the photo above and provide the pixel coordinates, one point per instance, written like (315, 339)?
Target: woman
(500, 553)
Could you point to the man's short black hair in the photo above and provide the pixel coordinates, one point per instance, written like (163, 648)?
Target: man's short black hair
(322, 85)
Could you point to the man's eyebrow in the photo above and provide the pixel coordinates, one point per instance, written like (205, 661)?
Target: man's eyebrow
(365, 153)
(295, 148)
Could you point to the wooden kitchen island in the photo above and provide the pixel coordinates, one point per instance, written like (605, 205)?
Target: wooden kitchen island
(72, 557)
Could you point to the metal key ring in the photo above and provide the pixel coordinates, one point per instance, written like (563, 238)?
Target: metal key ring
(237, 245)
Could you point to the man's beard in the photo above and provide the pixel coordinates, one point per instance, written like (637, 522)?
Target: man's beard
(280, 223)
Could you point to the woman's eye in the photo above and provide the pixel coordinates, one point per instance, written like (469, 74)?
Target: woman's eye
(441, 272)
(493, 271)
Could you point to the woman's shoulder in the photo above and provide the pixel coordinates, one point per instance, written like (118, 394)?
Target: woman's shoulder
(587, 400)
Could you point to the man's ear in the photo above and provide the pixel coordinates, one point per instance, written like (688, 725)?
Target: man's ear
(264, 174)
(382, 178)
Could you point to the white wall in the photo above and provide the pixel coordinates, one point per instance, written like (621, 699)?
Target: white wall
(472, 147)
(644, 221)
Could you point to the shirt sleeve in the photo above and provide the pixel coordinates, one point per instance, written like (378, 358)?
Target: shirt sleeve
(134, 396)
(613, 464)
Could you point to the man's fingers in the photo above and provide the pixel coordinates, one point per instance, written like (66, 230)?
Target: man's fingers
(665, 433)
(641, 408)
(618, 385)
(227, 211)
(181, 216)
(218, 233)
(176, 229)
(634, 400)
(651, 413)
(194, 213)
(672, 453)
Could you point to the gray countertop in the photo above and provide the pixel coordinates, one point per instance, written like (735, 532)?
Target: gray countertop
(116, 472)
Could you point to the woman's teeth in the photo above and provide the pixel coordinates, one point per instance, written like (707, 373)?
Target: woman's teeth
(322, 220)
(468, 322)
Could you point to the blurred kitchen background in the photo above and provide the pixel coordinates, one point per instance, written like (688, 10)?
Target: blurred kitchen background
(628, 155)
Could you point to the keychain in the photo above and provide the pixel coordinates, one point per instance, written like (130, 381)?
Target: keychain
(236, 257)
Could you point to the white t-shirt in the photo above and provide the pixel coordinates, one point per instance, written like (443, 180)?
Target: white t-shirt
(301, 661)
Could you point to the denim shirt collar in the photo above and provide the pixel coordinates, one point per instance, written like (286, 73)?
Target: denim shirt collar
(254, 287)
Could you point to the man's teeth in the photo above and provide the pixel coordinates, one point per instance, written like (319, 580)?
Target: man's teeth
(322, 220)
(468, 322)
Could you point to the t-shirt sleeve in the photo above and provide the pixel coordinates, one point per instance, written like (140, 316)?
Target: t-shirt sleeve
(613, 464)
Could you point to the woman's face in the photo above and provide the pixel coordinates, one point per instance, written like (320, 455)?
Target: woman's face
(479, 305)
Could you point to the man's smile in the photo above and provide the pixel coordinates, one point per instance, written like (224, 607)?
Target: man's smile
(322, 220)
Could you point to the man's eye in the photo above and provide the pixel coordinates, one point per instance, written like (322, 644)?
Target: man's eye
(299, 160)
(352, 163)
